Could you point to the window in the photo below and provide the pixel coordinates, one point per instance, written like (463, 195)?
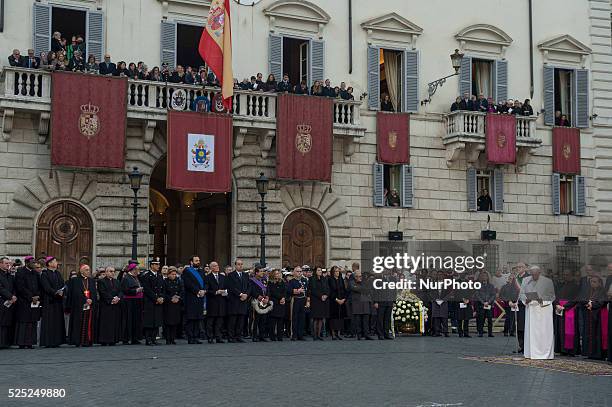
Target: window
(482, 77)
(393, 73)
(393, 185)
(69, 22)
(481, 181)
(390, 178)
(566, 92)
(489, 77)
(295, 60)
(390, 74)
(187, 41)
(563, 94)
(484, 203)
(566, 194)
(301, 59)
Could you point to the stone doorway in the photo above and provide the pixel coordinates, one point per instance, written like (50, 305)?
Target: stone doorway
(304, 240)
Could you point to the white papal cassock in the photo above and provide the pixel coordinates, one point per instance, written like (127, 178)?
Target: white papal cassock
(539, 330)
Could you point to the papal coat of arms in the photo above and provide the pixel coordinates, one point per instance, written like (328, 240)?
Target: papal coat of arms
(501, 140)
(89, 123)
(392, 139)
(178, 100)
(201, 154)
(303, 139)
(567, 151)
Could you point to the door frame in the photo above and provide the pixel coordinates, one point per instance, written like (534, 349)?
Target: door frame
(80, 204)
(325, 228)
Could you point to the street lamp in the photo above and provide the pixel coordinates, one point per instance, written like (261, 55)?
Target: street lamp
(262, 189)
(135, 181)
(432, 87)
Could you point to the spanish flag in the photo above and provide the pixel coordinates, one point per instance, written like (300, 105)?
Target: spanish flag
(216, 47)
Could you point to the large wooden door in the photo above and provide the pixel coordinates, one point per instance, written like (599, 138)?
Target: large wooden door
(64, 230)
(303, 239)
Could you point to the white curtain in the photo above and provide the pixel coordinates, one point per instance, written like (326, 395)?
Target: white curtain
(482, 77)
(391, 69)
(564, 88)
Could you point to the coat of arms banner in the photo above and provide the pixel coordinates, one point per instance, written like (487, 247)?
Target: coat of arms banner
(88, 120)
(393, 138)
(304, 136)
(566, 150)
(501, 138)
(199, 152)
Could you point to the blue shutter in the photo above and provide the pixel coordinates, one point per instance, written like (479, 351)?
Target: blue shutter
(373, 78)
(407, 185)
(317, 61)
(579, 195)
(555, 192)
(549, 96)
(498, 190)
(41, 35)
(581, 115)
(471, 189)
(411, 81)
(168, 43)
(95, 35)
(379, 184)
(500, 85)
(275, 56)
(465, 76)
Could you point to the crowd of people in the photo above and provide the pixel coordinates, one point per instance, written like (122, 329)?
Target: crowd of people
(484, 104)
(204, 302)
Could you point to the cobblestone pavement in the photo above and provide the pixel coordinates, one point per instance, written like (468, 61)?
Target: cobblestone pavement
(410, 371)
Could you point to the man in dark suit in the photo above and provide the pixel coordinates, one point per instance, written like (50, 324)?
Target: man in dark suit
(153, 289)
(193, 280)
(15, 59)
(216, 302)
(31, 61)
(107, 67)
(439, 307)
(27, 287)
(284, 85)
(328, 91)
(383, 299)
(237, 285)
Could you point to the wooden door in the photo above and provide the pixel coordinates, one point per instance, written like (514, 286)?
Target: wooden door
(303, 239)
(65, 230)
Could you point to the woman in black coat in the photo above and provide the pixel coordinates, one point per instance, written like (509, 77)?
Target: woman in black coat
(80, 300)
(318, 291)
(173, 303)
(277, 290)
(337, 302)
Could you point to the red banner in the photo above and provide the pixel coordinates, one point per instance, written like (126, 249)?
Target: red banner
(501, 138)
(199, 152)
(393, 137)
(566, 150)
(88, 120)
(304, 130)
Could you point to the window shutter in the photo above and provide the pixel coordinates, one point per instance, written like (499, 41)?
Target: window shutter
(471, 189)
(379, 184)
(500, 85)
(580, 195)
(275, 56)
(498, 191)
(549, 96)
(582, 98)
(465, 76)
(407, 186)
(168, 43)
(317, 61)
(41, 37)
(411, 81)
(373, 78)
(556, 194)
(95, 35)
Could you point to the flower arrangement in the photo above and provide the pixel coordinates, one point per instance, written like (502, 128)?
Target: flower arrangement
(406, 311)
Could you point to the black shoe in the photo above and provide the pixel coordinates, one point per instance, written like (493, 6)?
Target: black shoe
(512, 335)
(381, 338)
(168, 342)
(197, 342)
(263, 340)
(240, 340)
(135, 343)
(466, 336)
(148, 343)
(211, 341)
(279, 339)
(368, 338)
(338, 337)
(293, 339)
(301, 339)
(389, 338)
(446, 335)
(220, 341)
(334, 338)
(491, 336)
(505, 333)
(231, 341)
(480, 335)
(461, 335)
(254, 339)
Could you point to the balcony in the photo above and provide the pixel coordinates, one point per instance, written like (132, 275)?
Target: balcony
(466, 131)
(30, 90)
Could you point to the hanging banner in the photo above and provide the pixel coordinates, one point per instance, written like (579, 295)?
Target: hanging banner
(501, 138)
(566, 150)
(393, 138)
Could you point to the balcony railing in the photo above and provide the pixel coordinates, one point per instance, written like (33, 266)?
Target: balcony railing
(147, 97)
(465, 124)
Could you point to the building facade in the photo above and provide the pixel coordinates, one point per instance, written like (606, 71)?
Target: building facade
(555, 53)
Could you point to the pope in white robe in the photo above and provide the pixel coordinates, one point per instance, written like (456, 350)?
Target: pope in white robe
(539, 330)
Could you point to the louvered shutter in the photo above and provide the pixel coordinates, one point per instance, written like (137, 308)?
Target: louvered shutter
(498, 191)
(317, 61)
(500, 85)
(275, 56)
(465, 76)
(581, 115)
(373, 78)
(549, 95)
(168, 43)
(407, 181)
(555, 192)
(41, 27)
(579, 195)
(379, 184)
(411, 81)
(471, 189)
(95, 34)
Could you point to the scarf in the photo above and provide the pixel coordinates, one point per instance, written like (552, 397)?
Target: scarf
(259, 284)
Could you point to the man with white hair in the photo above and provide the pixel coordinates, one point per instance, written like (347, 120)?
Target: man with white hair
(538, 293)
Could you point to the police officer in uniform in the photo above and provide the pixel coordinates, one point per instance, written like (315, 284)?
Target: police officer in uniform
(297, 290)
(153, 289)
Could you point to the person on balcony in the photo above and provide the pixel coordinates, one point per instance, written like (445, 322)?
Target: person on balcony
(15, 59)
(121, 69)
(284, 85)
(527, 108)
(349, 92)
(492, 107)
(211, 78)
(502, 107)
(107, 67)
(61, 64)
(327, 89)
(261, 86)
(270, 85)
(393, 199)
(301, 89)
(343, 93)
(132, 71)
(178, 76)
(189, 76)
(454, 107)
(77, 63)
(31, 61)
(91, 65)
(484, 202)
(482, 103)
(387, 106)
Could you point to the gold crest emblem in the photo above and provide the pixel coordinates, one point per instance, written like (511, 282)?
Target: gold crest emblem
(567, 151)
(501, 140)
(89, 123)
(303, 139)
(392, 139)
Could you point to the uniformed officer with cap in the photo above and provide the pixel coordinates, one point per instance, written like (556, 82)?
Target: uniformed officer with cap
(153, 288)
